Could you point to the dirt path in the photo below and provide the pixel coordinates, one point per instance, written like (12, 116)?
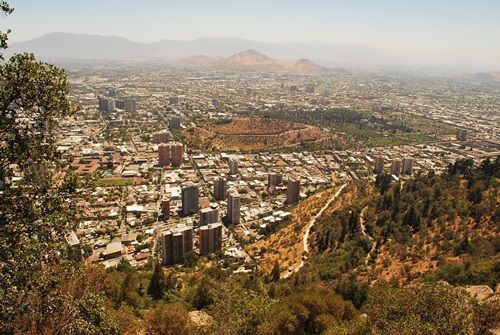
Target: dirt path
(305, 240)
(363, 232)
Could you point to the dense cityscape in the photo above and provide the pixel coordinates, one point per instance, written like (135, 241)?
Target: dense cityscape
(130, 131)
(334, 172)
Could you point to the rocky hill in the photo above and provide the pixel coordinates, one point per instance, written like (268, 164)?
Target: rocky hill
(251, 60)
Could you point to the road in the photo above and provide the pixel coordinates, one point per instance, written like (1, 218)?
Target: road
(305, 239)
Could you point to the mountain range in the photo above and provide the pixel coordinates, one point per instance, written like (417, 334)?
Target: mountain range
(486, 76)
(58, 46)
(251, 60)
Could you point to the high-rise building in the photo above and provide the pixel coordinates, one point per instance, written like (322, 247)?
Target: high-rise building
(396, 167)
(462, 134)
(177, 154)
(111, 105)
(162, 137)
(408, 166)
(233, 166)
(274, 179)
(103, 104)
(210, 238)
(120, 104)
(190, 201)
(130, 105)
(379, 165)
(209, 215)
(174, 122)
(164, 158)
(233, 208)
(165, 208)
(293, 191)
(175, 244)
(220, 186)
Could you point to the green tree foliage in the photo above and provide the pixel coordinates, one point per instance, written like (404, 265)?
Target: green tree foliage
(461, 166)
(41, 289)
(382, 182)
(483, 271)
(238, 309)
(275, 272)
(412, 218)
(352, 290)
(63, 300)
(404, 216)
(130, 290)
(169, 320)
(5, 9)
(430, 309)
(35, 216)
(308, 312)
(157, 285)
(203, 294)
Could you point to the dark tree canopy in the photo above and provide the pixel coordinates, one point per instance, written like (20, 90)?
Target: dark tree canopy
(5, 9)
(35, 212)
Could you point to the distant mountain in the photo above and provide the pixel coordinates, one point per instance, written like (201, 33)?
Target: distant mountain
(251, 60)
(57, 46)
(79, 46)
(486, 76)
(201, 60)
(482, 76)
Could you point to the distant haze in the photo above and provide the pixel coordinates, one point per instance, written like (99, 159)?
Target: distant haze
(85, 46)
(447, 33)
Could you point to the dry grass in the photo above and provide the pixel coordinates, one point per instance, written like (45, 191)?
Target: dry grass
(246, 134)
(286, 245)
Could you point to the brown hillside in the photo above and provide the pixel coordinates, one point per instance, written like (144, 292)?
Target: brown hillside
(247, 134)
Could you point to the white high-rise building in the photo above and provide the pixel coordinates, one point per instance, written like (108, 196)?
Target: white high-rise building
(233, 208)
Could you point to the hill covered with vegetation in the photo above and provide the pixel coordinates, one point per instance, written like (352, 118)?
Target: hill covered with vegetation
(435, 227)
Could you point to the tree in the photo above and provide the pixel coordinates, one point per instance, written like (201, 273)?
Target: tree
(275, 272)
(486, 317)
(157, 284)
(64, 300)
(412, 218)
(129, 290)
(238, 310)
(353, 223)
(382, 182)
(475, 194)
(352, 290)
(307, 312)
(35, 214)
(203, 295)
(423, 309)
(5, 10)
(41, 289)
(169, 320)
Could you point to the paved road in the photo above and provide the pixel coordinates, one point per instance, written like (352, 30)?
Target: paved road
(305, 240)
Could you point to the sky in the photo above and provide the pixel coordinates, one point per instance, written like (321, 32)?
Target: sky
(458, 31)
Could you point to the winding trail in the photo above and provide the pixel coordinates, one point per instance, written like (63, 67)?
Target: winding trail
(363, 232)
(297, 266)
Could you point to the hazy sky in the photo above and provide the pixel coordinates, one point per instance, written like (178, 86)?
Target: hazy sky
(466, 30)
